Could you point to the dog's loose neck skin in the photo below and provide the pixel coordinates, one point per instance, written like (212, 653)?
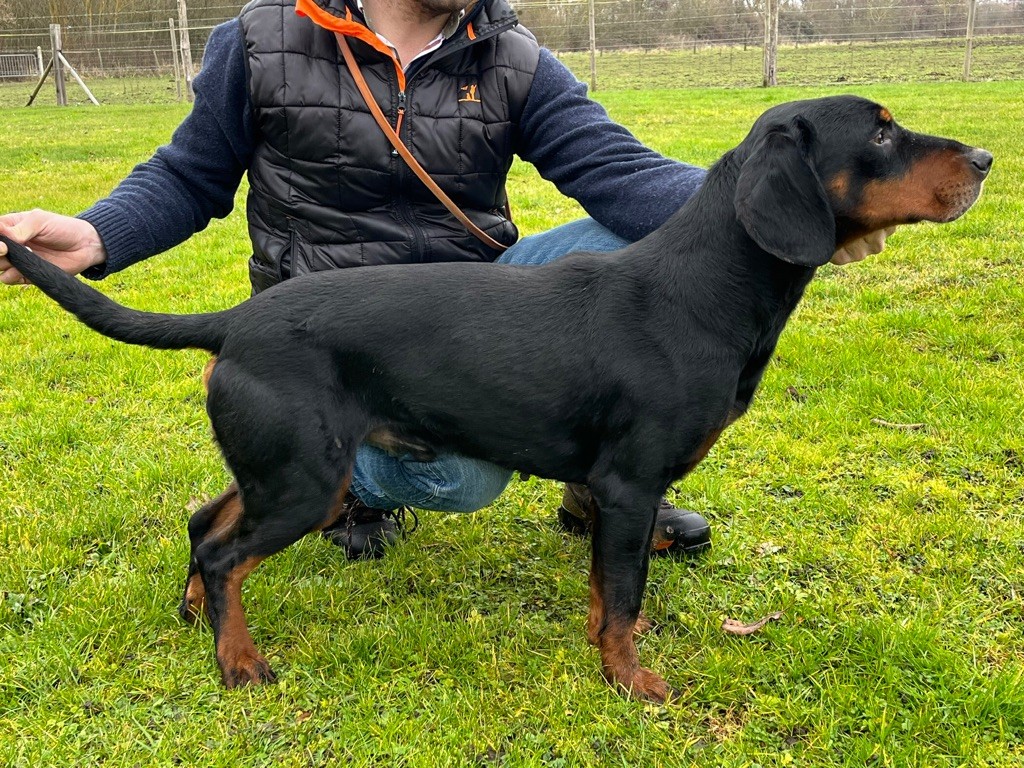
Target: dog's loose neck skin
(726, 266)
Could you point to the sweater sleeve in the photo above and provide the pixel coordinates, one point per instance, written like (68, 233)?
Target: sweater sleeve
(573, 143)
(174, 194)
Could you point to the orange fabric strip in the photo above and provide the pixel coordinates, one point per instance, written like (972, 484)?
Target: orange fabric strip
(349, 28)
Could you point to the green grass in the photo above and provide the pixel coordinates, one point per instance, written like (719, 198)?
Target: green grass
(893, 61)
(109, 91)
(907, 61)
(897, 556)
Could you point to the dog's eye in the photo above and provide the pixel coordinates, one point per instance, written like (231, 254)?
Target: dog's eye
(880, 138)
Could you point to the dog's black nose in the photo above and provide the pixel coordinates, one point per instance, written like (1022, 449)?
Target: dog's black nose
(981, 160)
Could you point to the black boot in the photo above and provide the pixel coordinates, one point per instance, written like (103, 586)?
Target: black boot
(364, 532)
(677, 531)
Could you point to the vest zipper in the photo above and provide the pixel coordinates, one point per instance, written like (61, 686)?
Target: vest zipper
(402, 175)
(402, 205)
(403, 210)
(401, 112)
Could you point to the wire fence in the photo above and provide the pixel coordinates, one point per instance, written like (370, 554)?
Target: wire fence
(637, 43)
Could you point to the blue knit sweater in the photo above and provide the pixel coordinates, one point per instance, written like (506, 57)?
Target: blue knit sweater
(570, 139)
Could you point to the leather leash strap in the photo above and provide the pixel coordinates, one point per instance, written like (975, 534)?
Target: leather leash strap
(396, 142)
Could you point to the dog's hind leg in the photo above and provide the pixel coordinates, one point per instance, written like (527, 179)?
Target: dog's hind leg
(622, 531)
(220, 513)
(275, 511)
(292, 469)
(216, 518)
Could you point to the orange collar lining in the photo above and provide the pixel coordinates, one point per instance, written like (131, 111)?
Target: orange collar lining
(348, 27)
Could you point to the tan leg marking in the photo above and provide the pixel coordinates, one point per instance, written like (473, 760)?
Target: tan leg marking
(224, 523)
(595, 618)
(338, 505)
(621, 665)
(208, 372)
(643, 625)
(240, 662)
(195, 599)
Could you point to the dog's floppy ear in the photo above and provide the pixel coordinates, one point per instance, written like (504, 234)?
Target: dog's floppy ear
(780, 201)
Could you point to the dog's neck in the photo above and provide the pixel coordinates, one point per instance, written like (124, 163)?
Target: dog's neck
(715, 263)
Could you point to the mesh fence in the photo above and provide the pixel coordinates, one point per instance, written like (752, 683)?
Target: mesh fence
(639, 43)
(113, 50)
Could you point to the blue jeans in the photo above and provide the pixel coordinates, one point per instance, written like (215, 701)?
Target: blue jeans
(454, 483)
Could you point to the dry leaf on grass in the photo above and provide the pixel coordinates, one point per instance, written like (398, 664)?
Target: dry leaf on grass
(734, 627)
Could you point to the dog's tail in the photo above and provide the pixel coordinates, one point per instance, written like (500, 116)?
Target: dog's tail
(151, 329)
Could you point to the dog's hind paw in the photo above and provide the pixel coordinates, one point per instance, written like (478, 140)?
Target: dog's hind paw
(190, 613)
(192, 607)
(643, 625)
(647, 686)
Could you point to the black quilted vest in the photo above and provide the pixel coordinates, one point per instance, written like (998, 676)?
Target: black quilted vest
(326, 188)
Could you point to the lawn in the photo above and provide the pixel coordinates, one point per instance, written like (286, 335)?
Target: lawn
(862, 61)
(906, 61)
(896, 554)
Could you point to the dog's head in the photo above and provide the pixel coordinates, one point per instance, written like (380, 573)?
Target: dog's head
(818, 174)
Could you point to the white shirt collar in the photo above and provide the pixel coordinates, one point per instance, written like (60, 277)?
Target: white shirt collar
(433, 45)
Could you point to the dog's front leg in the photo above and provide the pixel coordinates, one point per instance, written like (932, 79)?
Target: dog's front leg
(618, 575)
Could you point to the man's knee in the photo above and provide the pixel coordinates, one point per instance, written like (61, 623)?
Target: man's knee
(457, 484)
(451, 483)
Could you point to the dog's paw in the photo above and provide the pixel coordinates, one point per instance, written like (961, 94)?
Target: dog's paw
(643, 625)
(647, 686)
(192, 607)
(246, 669)
(191, 613)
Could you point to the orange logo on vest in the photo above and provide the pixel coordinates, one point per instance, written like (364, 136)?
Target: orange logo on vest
(469, 93)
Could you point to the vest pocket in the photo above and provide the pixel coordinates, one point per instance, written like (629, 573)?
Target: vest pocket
(288, 257)
(261, 276)
(298, 258)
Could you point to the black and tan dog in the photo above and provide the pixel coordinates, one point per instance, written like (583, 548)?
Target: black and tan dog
(618, 370)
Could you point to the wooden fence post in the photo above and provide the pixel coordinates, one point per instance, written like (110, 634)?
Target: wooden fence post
(58, 69)
(74, 74)
(593, 48)
(174, 57)
(186, 49)
(771, 42)
(972, 7)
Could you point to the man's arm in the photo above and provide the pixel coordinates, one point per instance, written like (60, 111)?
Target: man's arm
(174, 194)
(573, 143)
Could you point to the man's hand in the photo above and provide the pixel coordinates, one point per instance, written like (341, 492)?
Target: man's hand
(71, 244)
(858, 250)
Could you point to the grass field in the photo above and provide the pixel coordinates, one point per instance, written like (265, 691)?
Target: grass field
(897, 555)
(824, 64)
(907, 61)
